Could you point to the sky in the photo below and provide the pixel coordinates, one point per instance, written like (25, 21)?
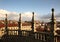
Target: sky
(40, 7)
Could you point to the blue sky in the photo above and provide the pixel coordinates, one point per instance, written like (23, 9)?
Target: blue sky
(41, 7)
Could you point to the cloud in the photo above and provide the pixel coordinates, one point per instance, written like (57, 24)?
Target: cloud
(58, 16)
(48, 17)
(13, 16)
(10, 15)
(26, 16)
(4, 11)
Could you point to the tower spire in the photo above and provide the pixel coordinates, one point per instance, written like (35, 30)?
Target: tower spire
(52, 20)
(53, 25)
(6, 24)
(20, 21)
(19, 24)
(32, 21)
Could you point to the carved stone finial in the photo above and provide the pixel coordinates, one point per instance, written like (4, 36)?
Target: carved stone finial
(52, 9)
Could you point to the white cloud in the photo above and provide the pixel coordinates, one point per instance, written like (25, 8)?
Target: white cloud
(48, 17)
(4, 11)
(11, 15)
(26, 16)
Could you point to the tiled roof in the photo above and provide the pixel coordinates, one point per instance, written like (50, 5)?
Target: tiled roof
(9, 25)
(39, 29)
(13, 24)
(26, 24)
(1, 25)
